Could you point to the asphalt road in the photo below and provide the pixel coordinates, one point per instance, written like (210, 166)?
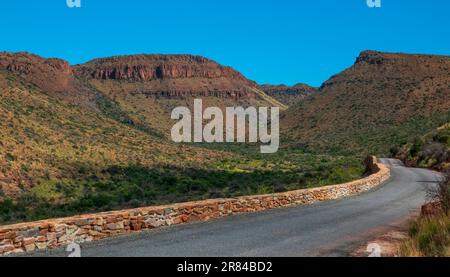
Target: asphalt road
(324, 229)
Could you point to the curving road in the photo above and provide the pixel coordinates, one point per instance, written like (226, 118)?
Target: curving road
(324, 229)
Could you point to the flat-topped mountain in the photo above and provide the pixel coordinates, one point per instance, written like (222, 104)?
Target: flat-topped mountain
(150, 67)
(148, 87)
(170, 75)
(159, 74)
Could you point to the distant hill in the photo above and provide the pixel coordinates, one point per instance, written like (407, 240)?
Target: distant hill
(288, 95)
(139, 90)
(382, 100)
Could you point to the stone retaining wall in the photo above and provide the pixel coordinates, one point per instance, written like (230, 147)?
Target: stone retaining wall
(54, 233)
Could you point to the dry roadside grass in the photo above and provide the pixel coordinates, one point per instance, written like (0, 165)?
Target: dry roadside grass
(428, 237)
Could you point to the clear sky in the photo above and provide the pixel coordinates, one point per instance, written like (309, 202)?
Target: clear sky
(269, 41)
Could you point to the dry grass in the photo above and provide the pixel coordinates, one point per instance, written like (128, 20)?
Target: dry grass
(429, 237)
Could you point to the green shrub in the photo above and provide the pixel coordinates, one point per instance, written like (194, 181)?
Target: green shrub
(416, 147)
(10, 157)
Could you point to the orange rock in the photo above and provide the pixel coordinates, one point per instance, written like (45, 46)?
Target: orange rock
(28, 241)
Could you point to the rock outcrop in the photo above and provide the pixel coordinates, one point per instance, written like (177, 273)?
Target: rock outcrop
(152, 67)
(168, 75)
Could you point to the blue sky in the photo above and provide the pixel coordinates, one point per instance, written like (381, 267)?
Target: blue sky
(269, 41)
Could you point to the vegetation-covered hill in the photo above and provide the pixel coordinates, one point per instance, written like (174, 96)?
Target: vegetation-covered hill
(148, 87)
(382, 100)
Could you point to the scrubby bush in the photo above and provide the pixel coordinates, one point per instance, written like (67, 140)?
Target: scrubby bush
(416, 147)
(441, 194)
(442, 138)
(433, 153)
(430, 235)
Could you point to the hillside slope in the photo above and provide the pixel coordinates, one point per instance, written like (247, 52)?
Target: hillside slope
(383, 100)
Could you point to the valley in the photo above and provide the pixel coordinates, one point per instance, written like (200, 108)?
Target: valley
(96, 136)
(71, 147)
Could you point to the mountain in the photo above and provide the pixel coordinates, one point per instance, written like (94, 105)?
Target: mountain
(139, 90)
(163, 82)
(288, 95)
(169, 75)
(384, 99)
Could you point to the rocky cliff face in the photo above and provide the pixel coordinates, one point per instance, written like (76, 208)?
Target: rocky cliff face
(167, 75)
(152, 67)
(288, 94)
